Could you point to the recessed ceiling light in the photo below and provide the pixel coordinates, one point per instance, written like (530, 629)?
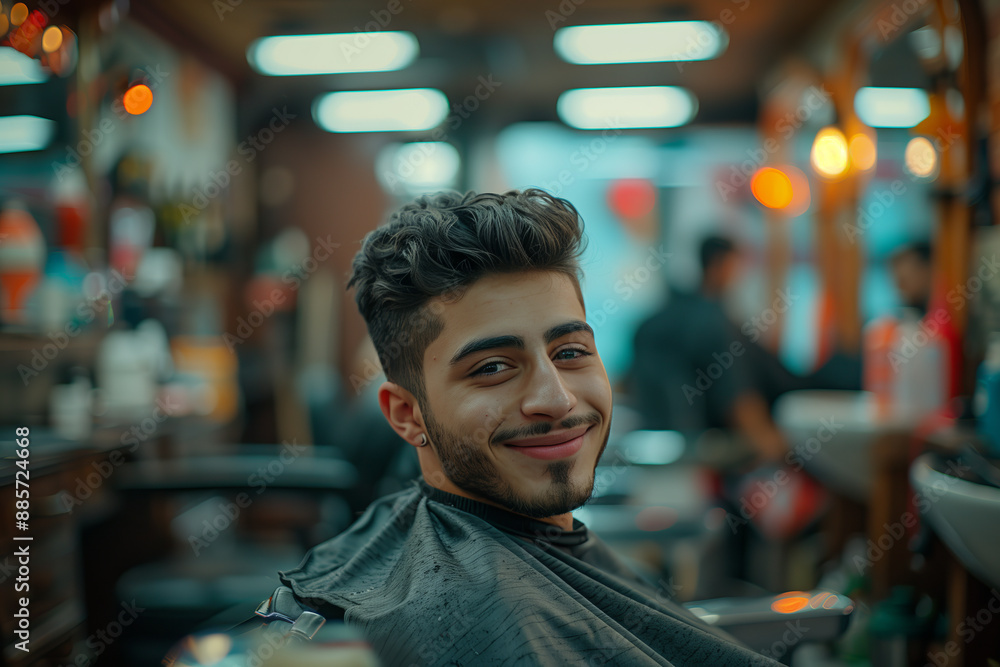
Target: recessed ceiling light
(17, 69)
(627, 107)
(25, 133)
(641, 42)
(335, 53)
(412, 109)
(891, 107)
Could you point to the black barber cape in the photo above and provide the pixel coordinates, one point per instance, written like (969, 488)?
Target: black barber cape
(431, 578)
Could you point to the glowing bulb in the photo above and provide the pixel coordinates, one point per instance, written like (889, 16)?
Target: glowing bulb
(52, 39)
(920, 158)
(772, 187)
(863, 152)
(18, 13)
(138, 99)
(829, 153)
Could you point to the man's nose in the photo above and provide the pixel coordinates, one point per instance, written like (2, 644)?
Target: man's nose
(547, 393)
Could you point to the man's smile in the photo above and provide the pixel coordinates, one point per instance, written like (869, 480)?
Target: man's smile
(551, 446)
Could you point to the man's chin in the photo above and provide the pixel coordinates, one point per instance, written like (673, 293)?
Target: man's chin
(551, 500)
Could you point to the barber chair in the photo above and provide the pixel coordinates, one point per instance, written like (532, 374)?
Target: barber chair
(653, 505)
(283, 632)
(230, 539)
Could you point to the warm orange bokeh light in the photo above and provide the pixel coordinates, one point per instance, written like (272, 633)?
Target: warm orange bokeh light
(790, 604)
(920, 158)
(52, 39)
(138, 99)
(18, 13)
(863, 153)
(829, 153)
(772, 187)
(4, 25)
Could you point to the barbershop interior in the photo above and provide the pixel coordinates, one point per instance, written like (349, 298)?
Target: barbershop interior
(791, 276)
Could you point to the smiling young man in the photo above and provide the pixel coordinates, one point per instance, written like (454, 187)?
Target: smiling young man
(493, 376)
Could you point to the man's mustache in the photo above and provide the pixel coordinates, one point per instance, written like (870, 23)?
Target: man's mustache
(542, 428)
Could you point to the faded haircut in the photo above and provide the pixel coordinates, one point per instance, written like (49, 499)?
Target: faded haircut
(437, 246)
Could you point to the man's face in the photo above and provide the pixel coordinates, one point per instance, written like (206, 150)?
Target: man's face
(518, 406)
(912, 276)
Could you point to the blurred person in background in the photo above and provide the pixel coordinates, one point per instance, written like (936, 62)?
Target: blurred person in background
(912, 269)
(675, 382)
(474, 305)
(695, 369)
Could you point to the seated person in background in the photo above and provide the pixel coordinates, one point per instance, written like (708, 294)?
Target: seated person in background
(695, 369)
(474, 305)
(913, 275)
(911, 270)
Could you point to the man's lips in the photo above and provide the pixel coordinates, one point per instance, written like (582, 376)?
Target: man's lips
(551, 446)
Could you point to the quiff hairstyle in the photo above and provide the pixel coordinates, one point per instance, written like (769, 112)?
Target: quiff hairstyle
(439, 245)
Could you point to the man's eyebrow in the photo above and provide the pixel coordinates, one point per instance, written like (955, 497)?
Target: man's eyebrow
(517, 342)
(481, 344)
(560, 330)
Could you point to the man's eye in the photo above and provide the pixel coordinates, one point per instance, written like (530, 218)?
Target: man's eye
(485, 368)
(576, 353)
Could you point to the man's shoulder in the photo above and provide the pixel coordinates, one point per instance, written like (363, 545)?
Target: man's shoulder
(380, 529)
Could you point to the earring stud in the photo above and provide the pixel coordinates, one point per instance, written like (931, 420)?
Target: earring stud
(423, 439)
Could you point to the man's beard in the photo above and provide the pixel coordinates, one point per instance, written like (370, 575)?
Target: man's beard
(470, 468)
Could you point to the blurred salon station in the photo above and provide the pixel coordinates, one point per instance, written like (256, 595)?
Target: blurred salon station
(792, 276)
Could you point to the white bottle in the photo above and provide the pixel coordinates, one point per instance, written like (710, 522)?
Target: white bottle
(71, 409)
(917, 359)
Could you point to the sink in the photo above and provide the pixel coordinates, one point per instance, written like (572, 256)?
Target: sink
(963, 510)
(831, 433)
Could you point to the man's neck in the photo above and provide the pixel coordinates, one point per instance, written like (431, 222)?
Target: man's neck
(441, 482)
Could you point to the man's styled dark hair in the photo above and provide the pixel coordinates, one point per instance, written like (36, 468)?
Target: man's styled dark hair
(714, 248)
(440, 244)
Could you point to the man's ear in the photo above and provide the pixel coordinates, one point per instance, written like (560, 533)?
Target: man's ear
(402, 412)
